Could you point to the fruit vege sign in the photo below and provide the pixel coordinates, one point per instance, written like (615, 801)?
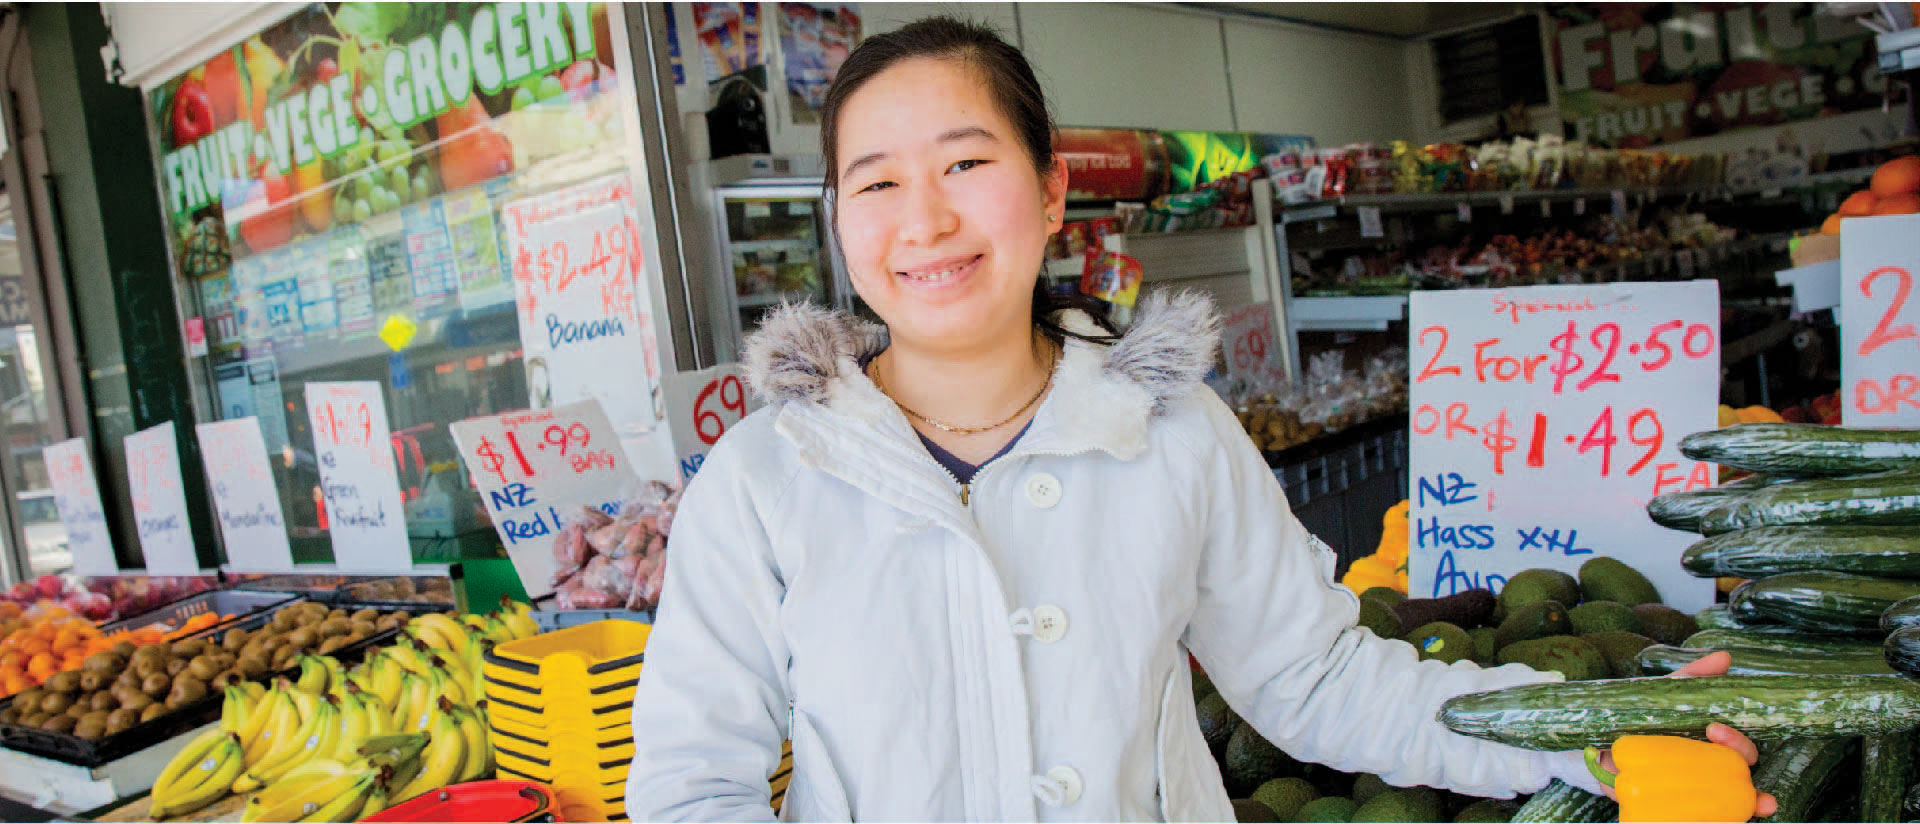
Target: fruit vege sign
(1637, 74)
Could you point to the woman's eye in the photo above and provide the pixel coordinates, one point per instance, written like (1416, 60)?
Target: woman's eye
(965, 165)
(875, 187)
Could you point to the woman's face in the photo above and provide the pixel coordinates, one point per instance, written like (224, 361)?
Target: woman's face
(941, 215)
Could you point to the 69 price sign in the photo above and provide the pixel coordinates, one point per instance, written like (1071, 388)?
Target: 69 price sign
(701, 407)
(1543, 421)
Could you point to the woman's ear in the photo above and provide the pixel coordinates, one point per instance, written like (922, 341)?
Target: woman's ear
(1055, 184)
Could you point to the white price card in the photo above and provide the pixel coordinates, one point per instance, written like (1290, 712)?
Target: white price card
(77, 496)
(1546, 417)
(1880, 342)
(160, 501)
(535, 468)
(245, 497)
(1370, 222)
(701, 407)
(1249, 343)
(364, 514)
(577, 271)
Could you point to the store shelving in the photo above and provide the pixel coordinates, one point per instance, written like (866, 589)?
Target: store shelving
(1348, 312)
(1511, 200)
(771, 299)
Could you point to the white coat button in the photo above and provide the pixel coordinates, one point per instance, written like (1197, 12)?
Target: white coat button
(1060, 787)
(1043, 490)
(1049, 623)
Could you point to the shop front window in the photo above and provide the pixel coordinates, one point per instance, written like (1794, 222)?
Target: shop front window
(24, 412)
(336, 186)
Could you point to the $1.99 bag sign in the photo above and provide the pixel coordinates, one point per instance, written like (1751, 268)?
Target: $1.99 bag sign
(1544, 418)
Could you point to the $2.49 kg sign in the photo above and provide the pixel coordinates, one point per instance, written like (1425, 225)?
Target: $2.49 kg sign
(533, 467)
(1544, 418)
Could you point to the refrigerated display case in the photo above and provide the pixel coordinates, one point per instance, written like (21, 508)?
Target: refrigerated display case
(774, 237)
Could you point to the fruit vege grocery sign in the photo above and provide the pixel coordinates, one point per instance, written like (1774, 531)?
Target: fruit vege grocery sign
(368, 90)
(1637, 74)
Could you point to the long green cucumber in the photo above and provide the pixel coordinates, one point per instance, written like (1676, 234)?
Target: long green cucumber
(1886, 768)
(1903, 651)
(1661, 659)
(1838, 645)
(1831, 602)
(1682, 510)
(1884, 499)
(1572, 715)
(1803, 450)
(1563, 802)
(1799, 773)
(1886, 551)
(1720, 616)
(1904, 613)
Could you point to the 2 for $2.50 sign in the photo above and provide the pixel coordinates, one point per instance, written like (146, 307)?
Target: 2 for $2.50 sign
(1880, 338)
(1544, 418)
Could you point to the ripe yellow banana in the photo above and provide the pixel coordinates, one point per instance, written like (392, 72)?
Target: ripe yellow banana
(234, 709)
(347, 806)
(355, 725)
(313, 676)
(188, 758)
(277, 719)
(313, 740)
(439, 631)
(445, 683)
(204, 783)
(307, 702)
(385, 679)
(446, 753)
(518, 619)
(410, 654)
(303, 793)
(377, 797)
(416, 699)
(255, 690)
(474, 731)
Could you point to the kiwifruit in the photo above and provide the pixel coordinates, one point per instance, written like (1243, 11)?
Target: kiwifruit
(308, 618)
(56, 703)
(270, 643)
(103, 701)
(186, 690)
(235, 639)
(368, 615)
(390, 621)
(282, 621)
(226, 679)
(91, 728)
(328, 646)
(29, 696)
(335, 626)
(252, 668)
(189, 649)
(148, 666)
(135, 700)
(156, 685)
(121, 719)
(282, 658)
(124, 649)
(62, 724)
(128, 678)
(94, 682)
(302, 638)
(175, 666)
(105, 663)
(153, 711)
(68, 681)
(150, 651)
(204, 667)
(362, 626)
(9, 715)
(36, 720)
(79, 709)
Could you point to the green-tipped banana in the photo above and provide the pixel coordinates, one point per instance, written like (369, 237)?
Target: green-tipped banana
(475, 732)
(208, 781)
(303, 792)
(440, 764)
(347, 807)
(392, 749)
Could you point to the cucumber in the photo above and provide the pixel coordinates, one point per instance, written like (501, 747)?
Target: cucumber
(1720, 616)
(1799, 773)
(1572, 715)
(1886, 768)
(1742, 609)
(1904, 613)
(1561, 801)
(1682, 510)
(1913, 801)
(1661, 659)
(1781, 642)
(1889, 552)
(1884, 499)
(1903, 651)
(1832, 602)
(1804, 450)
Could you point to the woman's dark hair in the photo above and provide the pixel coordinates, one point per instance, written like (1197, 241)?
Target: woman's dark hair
(1009, 80)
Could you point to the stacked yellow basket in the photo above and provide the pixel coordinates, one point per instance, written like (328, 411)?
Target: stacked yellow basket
(561, 705)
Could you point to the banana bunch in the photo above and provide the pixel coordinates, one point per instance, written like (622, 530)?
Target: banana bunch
(199, 775)
(346, 785)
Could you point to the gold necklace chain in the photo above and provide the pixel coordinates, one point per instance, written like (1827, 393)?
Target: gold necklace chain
(971, 430)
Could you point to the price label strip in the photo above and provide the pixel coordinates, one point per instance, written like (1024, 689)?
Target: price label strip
(534, 468)
(701, 407)
(364, 513)
(252, 526)
(77, 496)
(160, 501)
(1880, 345)
(1544, 418)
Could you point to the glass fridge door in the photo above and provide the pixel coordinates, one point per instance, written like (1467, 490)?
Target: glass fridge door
(776, 253)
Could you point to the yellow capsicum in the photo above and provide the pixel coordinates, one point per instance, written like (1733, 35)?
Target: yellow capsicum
(1667, 778)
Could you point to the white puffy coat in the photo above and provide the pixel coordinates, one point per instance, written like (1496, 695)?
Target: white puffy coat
(1021, 655)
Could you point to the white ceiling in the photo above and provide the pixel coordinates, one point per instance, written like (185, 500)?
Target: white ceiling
(1393, 19)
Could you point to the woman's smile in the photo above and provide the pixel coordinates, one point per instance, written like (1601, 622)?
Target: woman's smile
(945, 273)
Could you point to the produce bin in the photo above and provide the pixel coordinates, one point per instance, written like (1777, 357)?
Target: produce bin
(240, 604)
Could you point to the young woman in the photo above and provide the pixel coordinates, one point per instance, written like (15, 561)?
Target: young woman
(960, 559)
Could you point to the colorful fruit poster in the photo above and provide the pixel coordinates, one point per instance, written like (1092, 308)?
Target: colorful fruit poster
(1639, 74)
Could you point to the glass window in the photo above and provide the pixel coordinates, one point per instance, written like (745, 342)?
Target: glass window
(25, 413)
(336, 184)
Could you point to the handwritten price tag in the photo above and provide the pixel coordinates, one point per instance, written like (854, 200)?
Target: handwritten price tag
(1544, 418)
(364, 514)
(533, 467)
(1249, 342)
(1880, 342)
(701, 407)
(77, 496)
(577, 267)
(160, 501)
(244, 495)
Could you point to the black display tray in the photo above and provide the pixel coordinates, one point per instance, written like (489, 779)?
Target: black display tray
(240, 604)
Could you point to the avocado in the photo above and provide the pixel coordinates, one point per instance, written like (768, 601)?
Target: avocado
(1535, 585)
(1485, 645)
(1572, 657)
(1536, 620)
(1331, 808)
(1441, 641)
(1376, 616)
(1467, 608)
(1608, 579)
(1202, 686)
(1252, 761)
(1249, 810)
(1217, 722)
(1411, 804)
(1622, 651)
(1367, 786)
(1602, 616)
(1664, 624)
(1486, 811)
(1327, 780)
(1285, 796)
(1387, 596)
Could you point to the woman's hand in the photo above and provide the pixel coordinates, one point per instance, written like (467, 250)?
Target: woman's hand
(1725, 736)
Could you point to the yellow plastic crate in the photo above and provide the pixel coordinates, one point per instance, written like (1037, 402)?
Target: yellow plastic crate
(602, 768)
(593, 655)
(563, 715)
(516, 679)
(602, 734)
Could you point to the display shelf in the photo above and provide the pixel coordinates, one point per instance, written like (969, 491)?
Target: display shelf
(1815, 286)
(1399, 203)
(777, 244)
(1355, 313)
(772, 298)
(70, 789)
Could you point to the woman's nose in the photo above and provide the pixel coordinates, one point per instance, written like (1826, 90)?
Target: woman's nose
(927, 216)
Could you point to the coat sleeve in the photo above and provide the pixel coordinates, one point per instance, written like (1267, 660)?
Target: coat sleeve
(1278, 637)
(711, 707)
